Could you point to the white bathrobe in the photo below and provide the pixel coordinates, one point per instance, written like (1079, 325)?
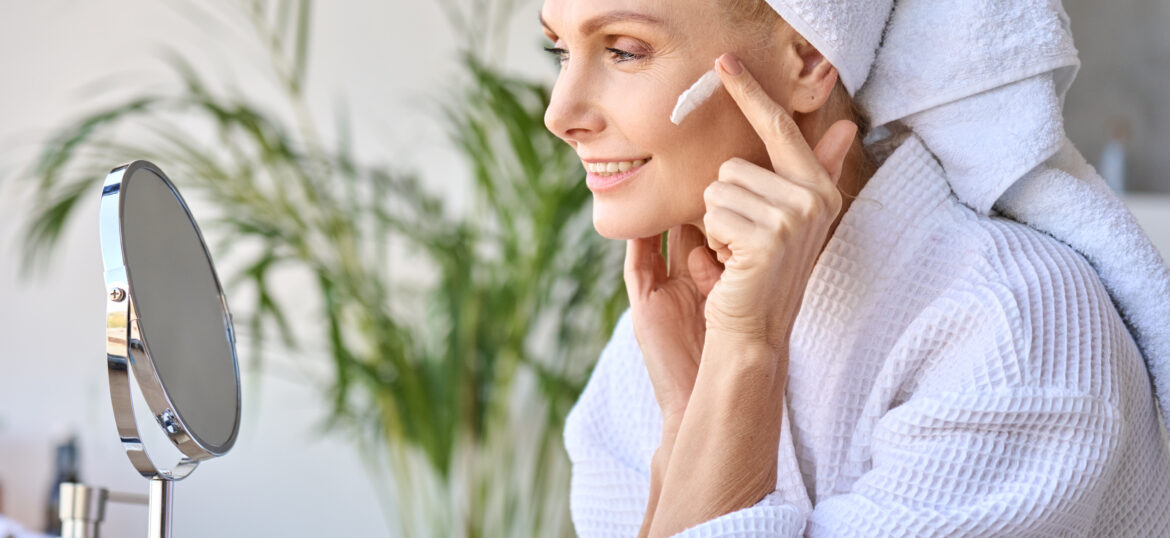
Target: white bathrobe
(951, 373)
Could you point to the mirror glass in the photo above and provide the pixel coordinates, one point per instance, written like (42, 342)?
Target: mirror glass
(182, 316)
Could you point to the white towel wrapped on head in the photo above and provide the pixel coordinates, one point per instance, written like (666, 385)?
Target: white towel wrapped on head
(982, 83)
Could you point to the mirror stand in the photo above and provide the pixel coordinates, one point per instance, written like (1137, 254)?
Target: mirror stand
(84, 507)
(159, 520)
(156, 262)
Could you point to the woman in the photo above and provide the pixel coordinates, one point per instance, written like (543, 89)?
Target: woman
(906, 363)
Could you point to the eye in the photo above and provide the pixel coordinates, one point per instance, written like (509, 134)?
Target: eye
(620, 55)
(624, 56)
(561, 54)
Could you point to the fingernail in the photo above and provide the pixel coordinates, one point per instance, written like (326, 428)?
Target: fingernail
(730, 64)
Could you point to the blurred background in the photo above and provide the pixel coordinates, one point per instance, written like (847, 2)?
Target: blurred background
(418, 290)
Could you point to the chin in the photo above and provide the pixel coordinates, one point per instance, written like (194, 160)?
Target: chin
(614, 223)
(610, 234)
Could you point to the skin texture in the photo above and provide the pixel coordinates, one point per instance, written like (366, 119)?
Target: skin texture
(749, 204)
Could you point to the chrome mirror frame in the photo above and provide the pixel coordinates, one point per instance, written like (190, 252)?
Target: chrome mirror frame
(128, 352)
(127, 347)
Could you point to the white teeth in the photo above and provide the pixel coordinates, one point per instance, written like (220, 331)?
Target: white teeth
(614, 167)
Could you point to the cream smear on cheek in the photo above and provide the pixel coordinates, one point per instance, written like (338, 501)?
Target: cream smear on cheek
(695, 96)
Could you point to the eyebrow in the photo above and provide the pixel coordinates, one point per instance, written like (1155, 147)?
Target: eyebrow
(596, 23)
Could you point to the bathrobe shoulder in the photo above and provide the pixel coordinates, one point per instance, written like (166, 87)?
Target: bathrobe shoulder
(950, 373)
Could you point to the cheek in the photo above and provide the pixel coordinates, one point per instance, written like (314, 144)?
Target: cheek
(728, 131)
(643, 111)
(687, 158)
(714, 133)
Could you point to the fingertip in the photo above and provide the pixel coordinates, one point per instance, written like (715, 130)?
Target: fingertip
(729, 64)
(854, 128)
(842, 129)
(835, 144)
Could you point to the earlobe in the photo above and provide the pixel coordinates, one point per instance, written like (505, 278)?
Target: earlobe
(814, 87)
(815, 77)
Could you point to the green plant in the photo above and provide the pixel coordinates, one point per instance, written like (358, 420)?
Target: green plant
(464, 380)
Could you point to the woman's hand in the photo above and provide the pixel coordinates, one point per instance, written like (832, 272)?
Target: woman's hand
(769, 226)
(666, 307)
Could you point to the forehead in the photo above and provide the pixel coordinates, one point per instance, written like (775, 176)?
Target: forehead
(574, 16)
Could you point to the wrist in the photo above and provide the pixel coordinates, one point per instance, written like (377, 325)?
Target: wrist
(771, 333)
(737, 351)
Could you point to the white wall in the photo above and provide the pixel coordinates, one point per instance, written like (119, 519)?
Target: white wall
(283, 478)
(1125, 72)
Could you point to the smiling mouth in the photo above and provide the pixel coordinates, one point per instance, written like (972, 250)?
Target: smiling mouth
(599, 182)
(614, 168)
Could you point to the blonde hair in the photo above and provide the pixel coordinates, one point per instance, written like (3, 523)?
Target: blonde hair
(763, 24)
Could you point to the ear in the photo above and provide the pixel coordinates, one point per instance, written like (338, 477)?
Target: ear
(815, 79)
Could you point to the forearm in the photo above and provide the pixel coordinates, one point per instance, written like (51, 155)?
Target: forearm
(724, 455)
(658, 466)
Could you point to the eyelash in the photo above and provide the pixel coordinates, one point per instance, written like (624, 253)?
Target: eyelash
(562, 54)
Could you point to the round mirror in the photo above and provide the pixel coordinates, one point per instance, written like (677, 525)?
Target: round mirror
(167, 322)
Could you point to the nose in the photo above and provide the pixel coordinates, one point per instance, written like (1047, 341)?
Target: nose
(573, 112)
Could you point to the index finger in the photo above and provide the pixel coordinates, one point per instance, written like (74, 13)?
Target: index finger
(789, 152)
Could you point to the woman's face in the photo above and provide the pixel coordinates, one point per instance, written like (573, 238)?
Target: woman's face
(618, 84)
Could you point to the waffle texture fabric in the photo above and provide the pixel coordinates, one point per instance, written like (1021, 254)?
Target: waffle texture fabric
(951, 373)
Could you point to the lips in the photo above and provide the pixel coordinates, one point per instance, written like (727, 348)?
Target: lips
(604, 166)
(605, 181)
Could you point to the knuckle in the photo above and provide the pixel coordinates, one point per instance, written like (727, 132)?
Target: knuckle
(730, 166)
(782, 125)
(806, 204)
(753, 90)
(711, 193)
(779, 222)
(828, 190)
(827, 201)
(816, 203)
(773, 219)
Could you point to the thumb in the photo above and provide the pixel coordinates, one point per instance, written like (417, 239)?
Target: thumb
(834, 147)
(704, 270)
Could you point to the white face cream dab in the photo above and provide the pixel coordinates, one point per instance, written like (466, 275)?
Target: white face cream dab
(695, 96)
